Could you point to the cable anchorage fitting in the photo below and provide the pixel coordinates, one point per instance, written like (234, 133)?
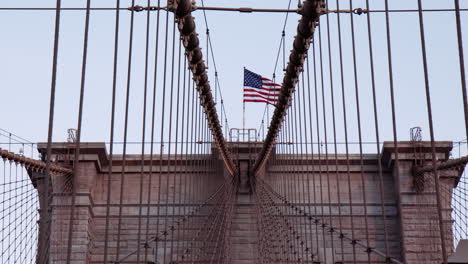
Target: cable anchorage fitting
(137, 8)
(357, 11)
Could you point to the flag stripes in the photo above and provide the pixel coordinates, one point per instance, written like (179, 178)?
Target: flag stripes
(258, 89)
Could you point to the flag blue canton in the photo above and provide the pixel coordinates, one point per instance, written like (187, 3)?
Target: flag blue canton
(252, 79)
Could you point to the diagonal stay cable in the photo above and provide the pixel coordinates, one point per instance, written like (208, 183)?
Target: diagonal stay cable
(331, 229)
(187, 29)
(310, 12)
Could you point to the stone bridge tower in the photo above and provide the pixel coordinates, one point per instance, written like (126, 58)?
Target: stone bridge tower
(409, 204)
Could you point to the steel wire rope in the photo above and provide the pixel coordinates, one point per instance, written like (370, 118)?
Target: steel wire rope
(432, 136)
(299, 158)
(192, 193)
(319, 150)
(298, 135)
(153, 128)
(341, 236)
(278, 142)
(216, 226)
(210, 50)
(289, 183)
(345, 129)
(292, 182)
(333, 113)
(7, 200)
(199, 161)
(126, 119)
(44, 255)
(183, 172)
(137, 8)
(261, 213)
(12, 245)
(14, 189)
(295, 161)
(269, 225)
(15, 137)
(143, 135)
(309, 103)
(158, 236)
(16, 217)
(162, 122)
(279, 183)
(199, 232)
(359, 128)
(65, 187)
(193, 150)
(300, 91)
(306, 153)
(27, 224)
(205, 163)
(282, 44)
(286, 193)
(186, 163)
(288, 225)
(461, 56)
(78, 133)
(325, 133)
(392, 98)
(170, 173)
(224, 207)
(377, 131)
(204, 174)
(189, 248)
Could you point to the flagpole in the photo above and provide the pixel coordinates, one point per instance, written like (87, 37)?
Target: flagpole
(243, 114)
(243, 117)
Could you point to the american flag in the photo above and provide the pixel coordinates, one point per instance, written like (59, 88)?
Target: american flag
(258, 89)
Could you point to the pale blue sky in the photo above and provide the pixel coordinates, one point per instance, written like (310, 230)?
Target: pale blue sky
(239, 40)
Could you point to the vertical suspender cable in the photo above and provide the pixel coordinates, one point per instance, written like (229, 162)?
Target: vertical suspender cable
(44, 258)
(358, 112)
(332, 97)
(153, 126)
(143, 135)
(325, 133)
(431, 128)
(300, 157)
(307, 209)
(345, 129)
(127, 103)
(462, 62)
(314, 166)
(178, 176)
(288, 190)
(192, 193)
(310, 12)
(161, 148)
(169, 173)
(319, 150)
(111, 148)
(183, 164)
(392, 99)
(293, 179)
(377, 134)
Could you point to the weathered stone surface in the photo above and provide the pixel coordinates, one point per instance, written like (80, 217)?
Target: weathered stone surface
(328, 190)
